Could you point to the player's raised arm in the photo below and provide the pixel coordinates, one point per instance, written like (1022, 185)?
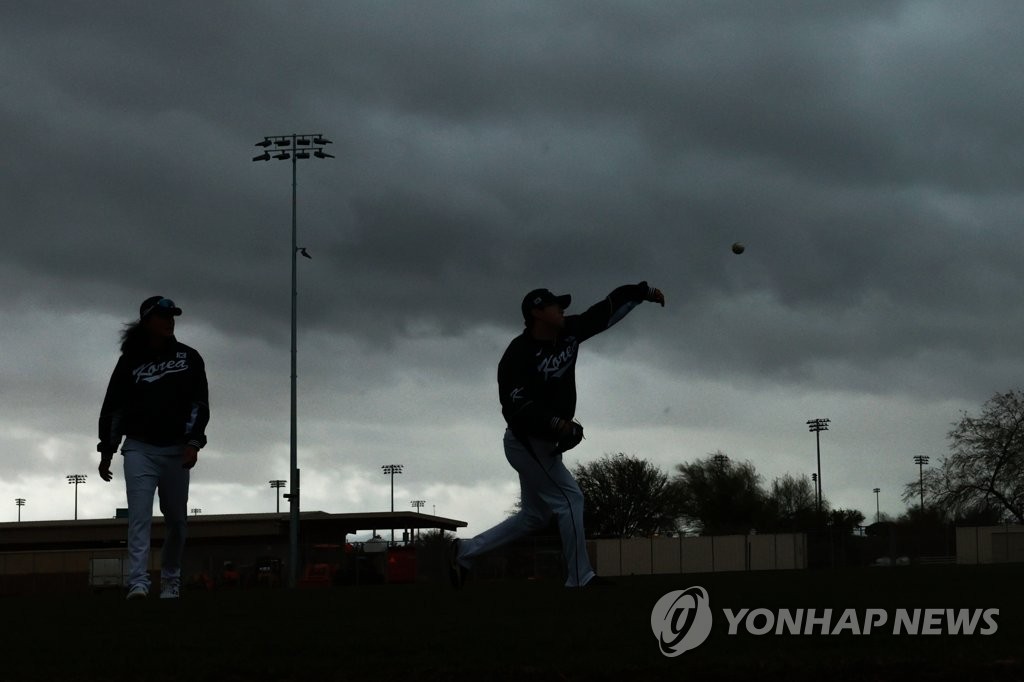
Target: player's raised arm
(613, 308)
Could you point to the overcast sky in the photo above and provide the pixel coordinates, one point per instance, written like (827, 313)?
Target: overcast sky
(869, 154)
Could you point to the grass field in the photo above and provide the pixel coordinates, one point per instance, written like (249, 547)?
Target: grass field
(512, 630)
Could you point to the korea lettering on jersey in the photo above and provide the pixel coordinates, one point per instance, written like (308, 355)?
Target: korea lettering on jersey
(556, 364)
(154, 371)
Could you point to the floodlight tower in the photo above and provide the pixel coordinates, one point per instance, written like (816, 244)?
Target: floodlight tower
(75, 479)
(277, 484)
(20, 501)
(391, 470)
(294, 147)
(878, 513)
(816, 426)
(920, 461)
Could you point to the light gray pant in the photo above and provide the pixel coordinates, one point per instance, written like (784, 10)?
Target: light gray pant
(546, 487)
(149, 469)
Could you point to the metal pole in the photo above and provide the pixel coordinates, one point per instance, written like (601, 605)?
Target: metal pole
(878, 512)
(817, 438)
(293, 576)
(279, 142)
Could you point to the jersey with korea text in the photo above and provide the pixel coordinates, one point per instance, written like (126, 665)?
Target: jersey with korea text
(537, 378)
(157, 397)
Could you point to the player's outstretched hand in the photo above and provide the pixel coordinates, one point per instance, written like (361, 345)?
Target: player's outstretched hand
(655, 296)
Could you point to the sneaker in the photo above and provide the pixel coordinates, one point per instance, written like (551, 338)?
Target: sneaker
(456, 571)
(170, 589)
(598, 581)
(137, 592)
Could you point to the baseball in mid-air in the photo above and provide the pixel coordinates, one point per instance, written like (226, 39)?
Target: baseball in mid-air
(738, 248)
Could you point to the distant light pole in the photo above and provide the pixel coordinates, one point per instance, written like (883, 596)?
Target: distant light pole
(920, 461)
(277, 484)
(392, 469)
(418, 504)
(196, 511)
(20, 501)
(720, 459)
(294, 147)
(877, 508)
(75, 479)
(816, 426)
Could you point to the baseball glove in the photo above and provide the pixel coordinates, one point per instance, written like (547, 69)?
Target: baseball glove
(570, 440)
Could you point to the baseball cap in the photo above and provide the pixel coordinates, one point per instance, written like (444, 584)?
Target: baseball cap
(542, 298)
(158, 304)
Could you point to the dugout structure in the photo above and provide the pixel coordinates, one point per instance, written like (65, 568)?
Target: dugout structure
(58, 556)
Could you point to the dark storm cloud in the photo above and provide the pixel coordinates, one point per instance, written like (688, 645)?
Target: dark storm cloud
(865, 151)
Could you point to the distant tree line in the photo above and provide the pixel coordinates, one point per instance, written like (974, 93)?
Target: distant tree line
(980, 481)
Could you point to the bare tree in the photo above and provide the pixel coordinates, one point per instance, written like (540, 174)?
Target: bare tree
(984, 472)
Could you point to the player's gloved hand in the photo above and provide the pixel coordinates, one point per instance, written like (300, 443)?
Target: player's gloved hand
(571, 436)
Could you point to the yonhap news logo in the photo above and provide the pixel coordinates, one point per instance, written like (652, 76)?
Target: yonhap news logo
(682, 620)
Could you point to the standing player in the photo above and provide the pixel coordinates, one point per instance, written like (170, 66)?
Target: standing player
(537, 389)
(157, 399)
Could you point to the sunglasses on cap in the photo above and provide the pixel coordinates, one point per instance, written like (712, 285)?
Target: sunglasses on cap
(161, 306)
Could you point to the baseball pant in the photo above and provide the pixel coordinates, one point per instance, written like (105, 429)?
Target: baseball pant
(546, 487)
(149, 469)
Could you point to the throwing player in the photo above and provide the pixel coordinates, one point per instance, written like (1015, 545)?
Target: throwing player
(537, 389)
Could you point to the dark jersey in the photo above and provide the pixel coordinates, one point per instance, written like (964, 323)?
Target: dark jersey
(537, 379)
(159, 397)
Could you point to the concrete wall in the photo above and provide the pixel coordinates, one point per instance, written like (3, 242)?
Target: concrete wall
(662, 555)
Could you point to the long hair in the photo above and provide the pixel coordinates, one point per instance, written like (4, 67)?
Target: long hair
(133, 337)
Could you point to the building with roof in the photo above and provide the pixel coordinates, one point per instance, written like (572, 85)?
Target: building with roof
(249, 548)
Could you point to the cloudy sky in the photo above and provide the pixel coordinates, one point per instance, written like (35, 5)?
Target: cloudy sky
(867, 153)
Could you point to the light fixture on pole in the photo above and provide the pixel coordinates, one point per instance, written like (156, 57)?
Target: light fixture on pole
(277, 484)
(391, 470)
(20, 501)
(196, 511)
(920, 461)
(418, 504)
(75, 479)
(289, 148)
(877, 508)
(816, 426)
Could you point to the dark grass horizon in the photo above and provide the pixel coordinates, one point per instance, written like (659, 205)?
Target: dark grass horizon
(512, 630)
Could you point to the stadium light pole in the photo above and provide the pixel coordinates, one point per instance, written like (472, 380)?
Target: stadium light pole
(20, 501)
(294, 147)
(392, 469)
(878, 513)
(75, 479)
(277, 484)
(816, 426)
(418, 504)
(920, 461)
(196, 511)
